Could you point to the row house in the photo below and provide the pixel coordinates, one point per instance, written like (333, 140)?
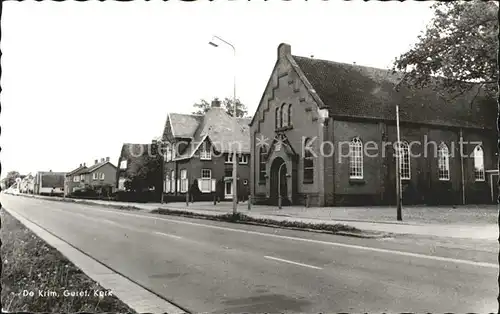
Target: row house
(100, 174)
(200, 148)
(325, 132)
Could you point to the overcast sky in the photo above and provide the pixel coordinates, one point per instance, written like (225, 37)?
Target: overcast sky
(81, 78)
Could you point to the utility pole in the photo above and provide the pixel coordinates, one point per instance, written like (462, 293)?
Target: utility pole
(233, 152)
(398, 169)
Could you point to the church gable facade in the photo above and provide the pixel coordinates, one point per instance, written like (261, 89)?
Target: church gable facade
(324, 134)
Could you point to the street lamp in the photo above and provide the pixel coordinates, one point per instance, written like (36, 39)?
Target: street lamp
(235, 162)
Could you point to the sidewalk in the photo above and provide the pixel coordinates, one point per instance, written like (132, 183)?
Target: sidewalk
(468, 222)
(478, 222)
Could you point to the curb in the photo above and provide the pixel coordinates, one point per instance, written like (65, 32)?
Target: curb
(137, 297)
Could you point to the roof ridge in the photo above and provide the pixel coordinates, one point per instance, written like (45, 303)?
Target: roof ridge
(348, 64)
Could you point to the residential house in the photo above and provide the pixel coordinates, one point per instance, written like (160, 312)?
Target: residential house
(101, 174)
(49, 183)
(198, 147)
(327, 132)
(75, 179)
(133, 157)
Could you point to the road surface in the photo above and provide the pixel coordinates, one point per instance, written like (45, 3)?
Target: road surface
(216, 267)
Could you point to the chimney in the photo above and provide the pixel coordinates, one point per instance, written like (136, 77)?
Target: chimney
(284, 50)
(216, 103)
(96, 161)
(80, 165)
(107, 158)
(84, 165)
(102, 159)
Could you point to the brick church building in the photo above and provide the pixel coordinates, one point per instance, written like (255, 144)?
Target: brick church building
(326, 132)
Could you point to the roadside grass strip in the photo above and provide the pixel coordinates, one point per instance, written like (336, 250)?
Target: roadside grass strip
(338, 229)
(38, 278)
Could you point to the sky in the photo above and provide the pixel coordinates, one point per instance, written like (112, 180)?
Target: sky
(79, 79)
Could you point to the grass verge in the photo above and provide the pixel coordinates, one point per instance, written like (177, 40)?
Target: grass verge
(31, 266)
(339, 229)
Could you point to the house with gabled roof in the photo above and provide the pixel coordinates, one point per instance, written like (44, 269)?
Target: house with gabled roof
(74, 179)
(102, 173)
(325, 133)
(198, 147)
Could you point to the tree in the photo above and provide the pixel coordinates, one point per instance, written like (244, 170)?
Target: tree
(144, 172)
(241, 109)
(203, 106)
(11, 177)
(459, 46)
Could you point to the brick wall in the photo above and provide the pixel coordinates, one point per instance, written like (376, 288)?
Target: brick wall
(285, 86)
(346, 188)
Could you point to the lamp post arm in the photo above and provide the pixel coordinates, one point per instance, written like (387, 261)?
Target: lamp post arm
(227, 43)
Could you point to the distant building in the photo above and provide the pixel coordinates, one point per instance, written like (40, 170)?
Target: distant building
(101, 174)
(27, 184)
(49, 183)
(75, 179)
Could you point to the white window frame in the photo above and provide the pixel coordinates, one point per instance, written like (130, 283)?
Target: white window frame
(172, 179)
(173, 152)
(229, 158)
(82, 177)
(166, 186)
(205, 171)
(277, 118)
(284, 115)
(243, 159)
(123, 164)
(101, 176)
(308, 156)
(443, 162)
(76, 178)
(356, 158)
(205, 182)
(404, 161)
(184, 181)
(168, 156)
(94, 176)
(479, 174)
(205, 153)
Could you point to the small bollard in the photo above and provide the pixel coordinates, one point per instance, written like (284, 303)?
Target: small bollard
(249, 202)
(187, 199)
(307, 200)
(215, 199)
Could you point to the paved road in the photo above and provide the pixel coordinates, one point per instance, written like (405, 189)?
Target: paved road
(215, 267)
